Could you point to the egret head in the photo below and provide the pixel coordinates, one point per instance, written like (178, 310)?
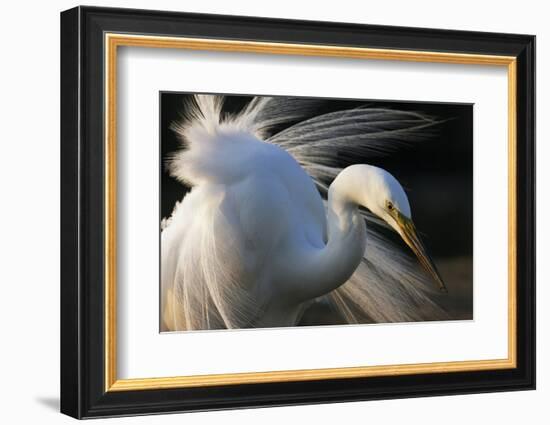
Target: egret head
(386, 198)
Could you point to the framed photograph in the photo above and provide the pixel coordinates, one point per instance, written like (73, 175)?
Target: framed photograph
(261, 212)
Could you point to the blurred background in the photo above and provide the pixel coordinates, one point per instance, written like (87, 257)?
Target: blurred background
(436, 173)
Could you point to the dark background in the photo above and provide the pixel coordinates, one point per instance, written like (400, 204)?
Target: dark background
(437, 175)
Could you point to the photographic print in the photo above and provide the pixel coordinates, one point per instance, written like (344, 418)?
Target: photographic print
(292, 211)
(339, 208)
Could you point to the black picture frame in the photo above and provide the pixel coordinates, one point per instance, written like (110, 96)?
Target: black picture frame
(83, 392)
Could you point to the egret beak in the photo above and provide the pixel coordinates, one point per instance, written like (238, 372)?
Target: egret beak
(408, 232)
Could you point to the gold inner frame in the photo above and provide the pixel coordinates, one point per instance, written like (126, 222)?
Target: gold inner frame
(113, 41)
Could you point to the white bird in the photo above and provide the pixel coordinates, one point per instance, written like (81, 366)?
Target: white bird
(254, 244)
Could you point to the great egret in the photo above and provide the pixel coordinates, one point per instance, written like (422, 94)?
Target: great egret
(253, 243)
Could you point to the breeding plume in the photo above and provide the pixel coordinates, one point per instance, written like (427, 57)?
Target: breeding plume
(272, 224)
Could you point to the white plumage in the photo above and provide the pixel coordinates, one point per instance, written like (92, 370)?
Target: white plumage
(254, 243)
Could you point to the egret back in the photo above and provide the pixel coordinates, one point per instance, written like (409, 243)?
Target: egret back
(218, 247)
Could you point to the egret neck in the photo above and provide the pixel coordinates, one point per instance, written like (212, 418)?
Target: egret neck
(333, 265)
